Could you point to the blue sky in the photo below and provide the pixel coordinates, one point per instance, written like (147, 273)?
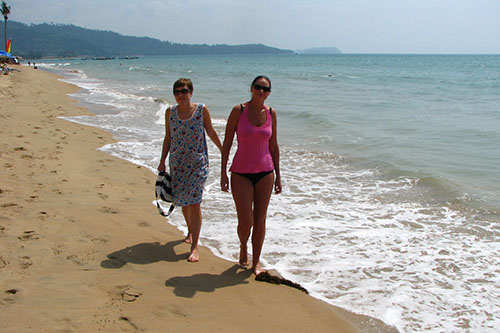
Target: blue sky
(353, 26)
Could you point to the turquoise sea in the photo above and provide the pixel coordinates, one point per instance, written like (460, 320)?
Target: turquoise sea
(390, 166)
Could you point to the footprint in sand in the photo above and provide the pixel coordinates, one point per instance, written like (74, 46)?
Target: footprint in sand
(102, 196)
(74, 258)
(125, 293)
(28, 235)
(10, 292)
(10, 204)
(43, 215)
(144, 224)
(129, 321)
(180, 311)
(109, 210)
(25, 262)
(130, 294)
(57, 191)
(32, 198)
(3, 262)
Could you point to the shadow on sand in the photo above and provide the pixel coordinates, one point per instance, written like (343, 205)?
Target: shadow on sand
(188, 286)
(144, 253)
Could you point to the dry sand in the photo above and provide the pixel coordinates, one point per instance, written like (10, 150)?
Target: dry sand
(82, 248)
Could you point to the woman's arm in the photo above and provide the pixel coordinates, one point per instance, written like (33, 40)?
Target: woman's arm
(231, 125)
(166, 142)
(207, 123)
(275, 153)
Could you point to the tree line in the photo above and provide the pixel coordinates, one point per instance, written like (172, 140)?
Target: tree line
(61, 40)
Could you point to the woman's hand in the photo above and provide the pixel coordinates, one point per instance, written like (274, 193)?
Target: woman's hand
(224, 183)
(161, 167)
(277, 185)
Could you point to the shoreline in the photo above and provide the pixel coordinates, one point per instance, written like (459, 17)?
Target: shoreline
(83, 248)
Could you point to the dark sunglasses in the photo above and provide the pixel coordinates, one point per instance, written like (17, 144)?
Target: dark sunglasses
(259, 87)
(182, 91)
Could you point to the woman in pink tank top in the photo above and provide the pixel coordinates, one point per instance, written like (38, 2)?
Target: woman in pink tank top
(252, 176)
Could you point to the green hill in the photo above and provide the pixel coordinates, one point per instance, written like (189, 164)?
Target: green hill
(61, 40)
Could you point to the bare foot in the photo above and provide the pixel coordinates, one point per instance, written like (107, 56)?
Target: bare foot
(257, 270)
(188, 239)
(243, 256)
(193, 256)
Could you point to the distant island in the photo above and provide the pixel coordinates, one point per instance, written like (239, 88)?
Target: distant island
(320, 50)
(68, 41)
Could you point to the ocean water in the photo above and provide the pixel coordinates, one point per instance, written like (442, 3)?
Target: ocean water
(390, 167)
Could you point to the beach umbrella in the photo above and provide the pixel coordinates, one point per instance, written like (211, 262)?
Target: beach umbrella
(6, 54)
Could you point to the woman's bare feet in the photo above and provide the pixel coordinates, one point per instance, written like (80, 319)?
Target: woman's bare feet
(188, 239)
(257, 270)
(193, 256)
(243, 256)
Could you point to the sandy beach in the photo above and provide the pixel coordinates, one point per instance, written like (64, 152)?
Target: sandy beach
(82, 247)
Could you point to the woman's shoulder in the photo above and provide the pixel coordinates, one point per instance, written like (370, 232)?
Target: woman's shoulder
(236, 111)
(202, 106)
(240, 107)
(237, 108)
(269, 108)
(168, 110)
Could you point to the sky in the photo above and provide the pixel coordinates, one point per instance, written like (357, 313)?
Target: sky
(353, 26)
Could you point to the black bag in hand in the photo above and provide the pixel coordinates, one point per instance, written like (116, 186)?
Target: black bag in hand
(163, 191)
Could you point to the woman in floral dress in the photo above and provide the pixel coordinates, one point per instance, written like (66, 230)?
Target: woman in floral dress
(185, 126)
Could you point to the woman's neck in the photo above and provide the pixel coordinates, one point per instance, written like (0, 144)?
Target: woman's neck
(185, 107)
(256, 104)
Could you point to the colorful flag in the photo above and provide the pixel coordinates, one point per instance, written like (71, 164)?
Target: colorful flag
(7, 48)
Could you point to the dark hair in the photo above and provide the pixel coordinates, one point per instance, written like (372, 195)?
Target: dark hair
(183, 82)
(261, 77)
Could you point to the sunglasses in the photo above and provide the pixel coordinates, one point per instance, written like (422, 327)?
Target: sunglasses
(259, 87)
(181, 91)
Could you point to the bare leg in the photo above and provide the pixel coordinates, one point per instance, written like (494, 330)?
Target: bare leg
(262, 195)
(195, 215)
(242, 190)
(243, 255)
(187, 217)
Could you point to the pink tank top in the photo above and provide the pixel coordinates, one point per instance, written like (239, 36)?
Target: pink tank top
(253, 155)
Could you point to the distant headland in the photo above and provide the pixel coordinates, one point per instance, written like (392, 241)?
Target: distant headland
(65, 41)
(319, 50)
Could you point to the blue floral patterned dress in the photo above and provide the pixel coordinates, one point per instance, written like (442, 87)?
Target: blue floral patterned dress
(188, 157)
